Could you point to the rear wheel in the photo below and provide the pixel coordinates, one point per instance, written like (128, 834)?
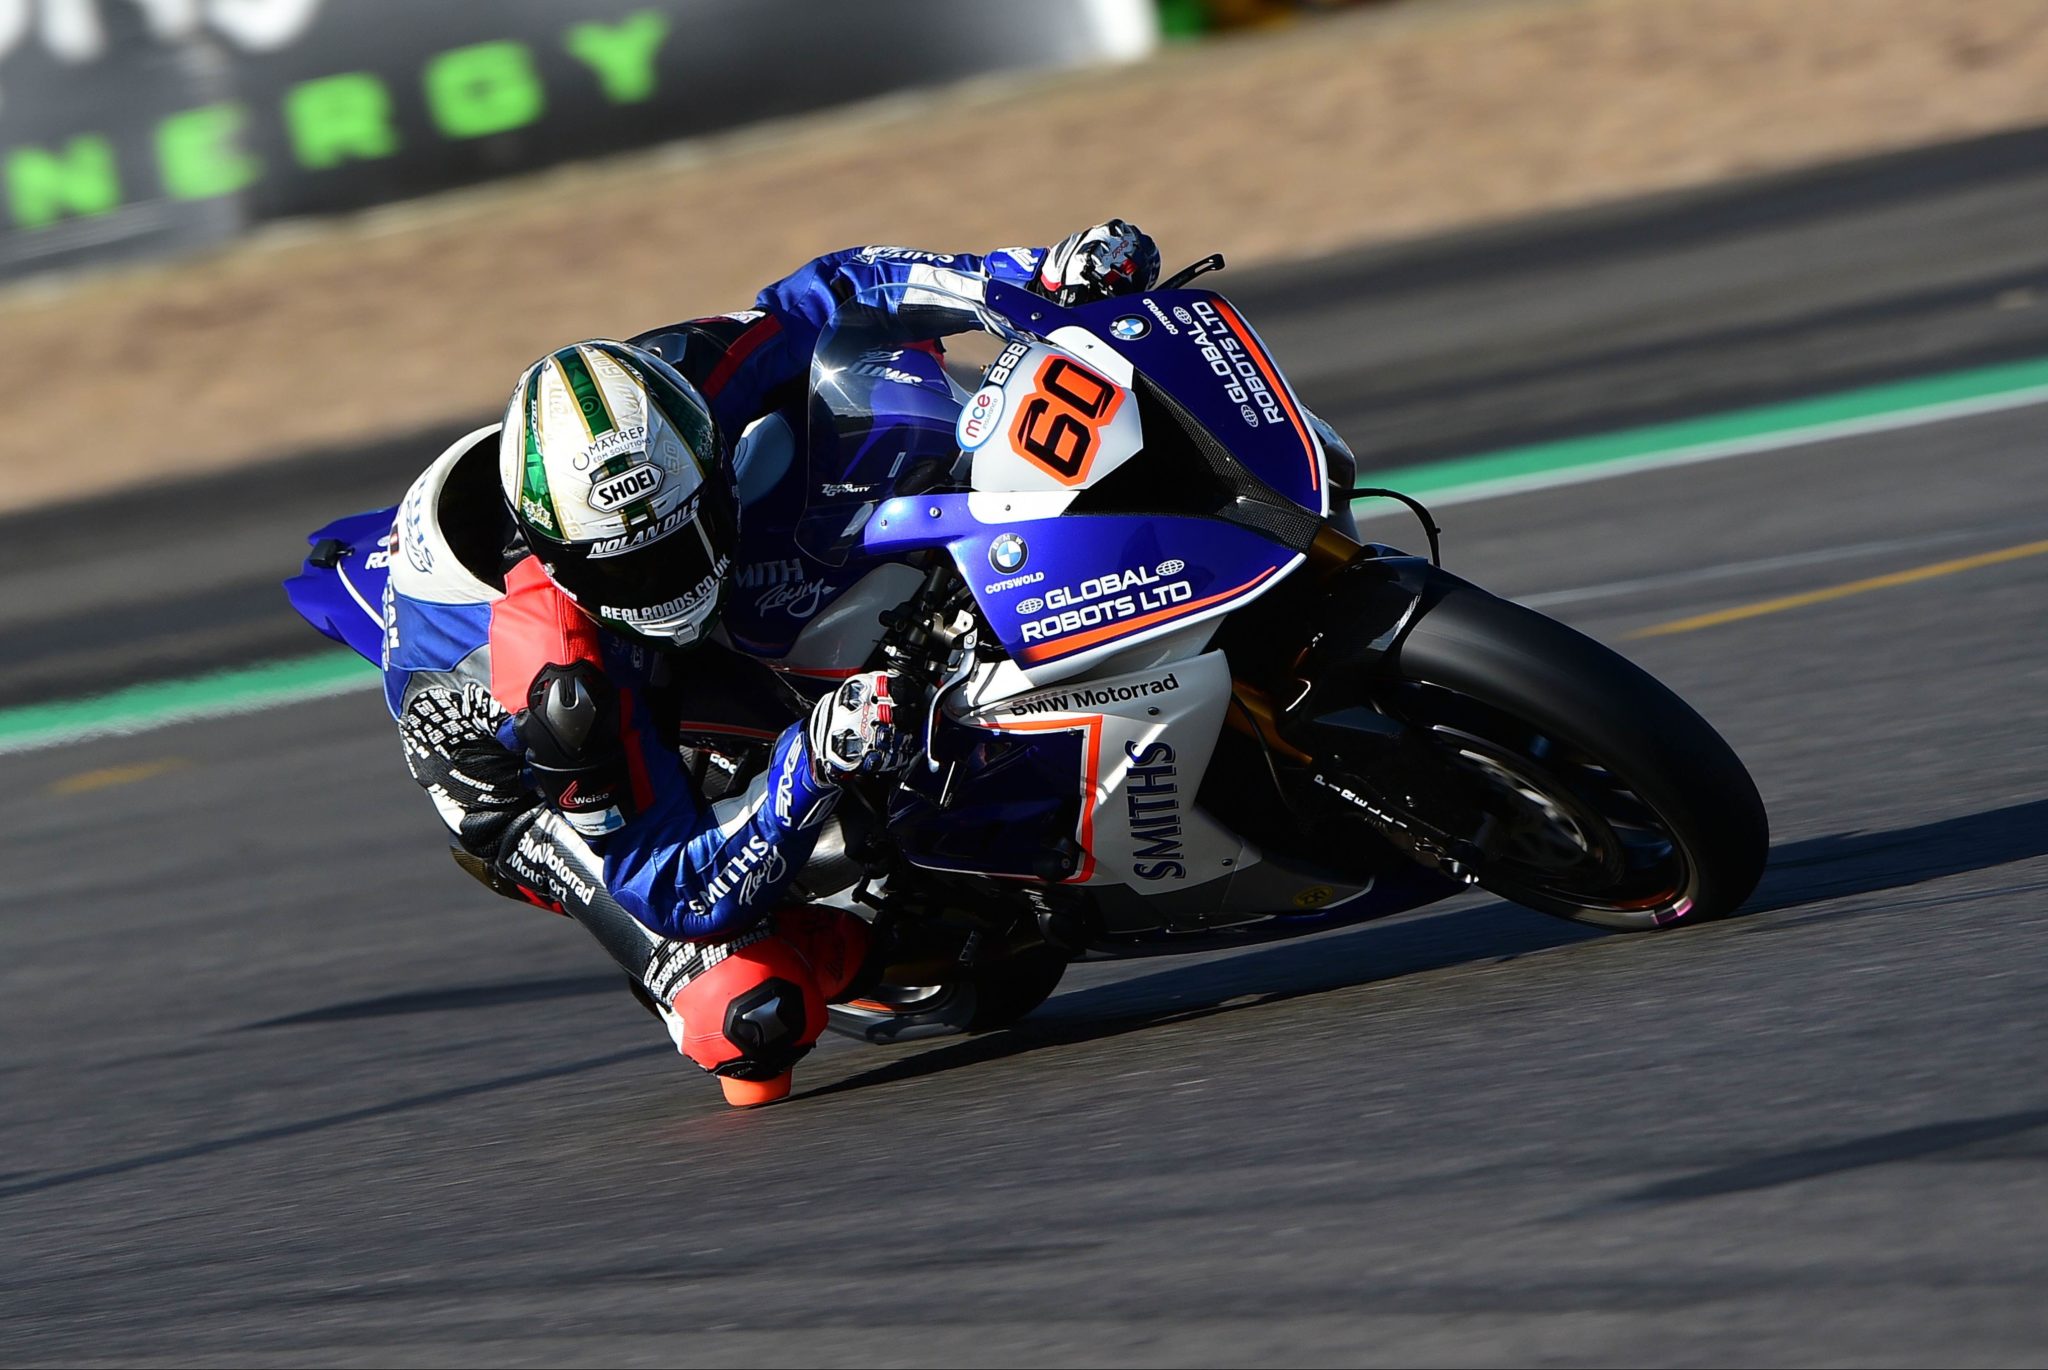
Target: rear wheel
(1581, 786)
(980, 998)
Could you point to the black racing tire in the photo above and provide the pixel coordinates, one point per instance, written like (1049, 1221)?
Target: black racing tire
(984, 999)
(1016, 985)
(1653, 756)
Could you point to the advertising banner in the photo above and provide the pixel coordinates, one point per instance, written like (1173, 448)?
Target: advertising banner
(147, 126)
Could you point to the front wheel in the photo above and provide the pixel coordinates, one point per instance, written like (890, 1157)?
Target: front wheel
(1583, 787)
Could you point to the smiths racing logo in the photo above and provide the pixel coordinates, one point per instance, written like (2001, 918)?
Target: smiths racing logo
(635, 482)
(747, 872)
(884, 253)
(1152, 805)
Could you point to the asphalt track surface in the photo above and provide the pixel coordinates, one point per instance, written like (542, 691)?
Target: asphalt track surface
(281, 1085)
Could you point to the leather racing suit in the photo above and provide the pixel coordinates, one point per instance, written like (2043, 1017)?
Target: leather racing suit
(693, 894)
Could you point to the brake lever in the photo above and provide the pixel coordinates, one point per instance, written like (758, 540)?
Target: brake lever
(1212, 262)
(957, 676)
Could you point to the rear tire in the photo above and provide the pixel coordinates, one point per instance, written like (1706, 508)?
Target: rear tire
(1594, 748)
(982, 999)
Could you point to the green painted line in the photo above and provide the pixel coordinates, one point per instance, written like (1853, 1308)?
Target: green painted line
(1899, 404)
(1875, 408)
(141, 707)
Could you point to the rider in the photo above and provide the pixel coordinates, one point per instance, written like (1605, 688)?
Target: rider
(546, 639)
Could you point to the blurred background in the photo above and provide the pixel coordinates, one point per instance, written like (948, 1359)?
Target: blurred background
(276, 1083)
(226, 194)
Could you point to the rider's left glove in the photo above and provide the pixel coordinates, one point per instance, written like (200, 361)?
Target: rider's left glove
(571, 734)
(855, 729)
(1114, 258)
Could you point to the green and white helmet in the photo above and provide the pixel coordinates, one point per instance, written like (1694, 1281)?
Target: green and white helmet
(616, 474)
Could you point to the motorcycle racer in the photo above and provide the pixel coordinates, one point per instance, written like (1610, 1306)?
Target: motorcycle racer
(546, 640)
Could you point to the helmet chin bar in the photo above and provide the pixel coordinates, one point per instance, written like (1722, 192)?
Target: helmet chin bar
(684, 634)
(681, 635)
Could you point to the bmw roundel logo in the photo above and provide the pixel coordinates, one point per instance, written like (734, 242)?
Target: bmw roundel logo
(1008, 553)
(1128, 327)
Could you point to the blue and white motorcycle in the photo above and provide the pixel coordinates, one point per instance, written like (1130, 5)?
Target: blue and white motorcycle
(1172, 702)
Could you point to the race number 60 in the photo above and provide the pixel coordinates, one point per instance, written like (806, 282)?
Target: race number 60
(1060, 426)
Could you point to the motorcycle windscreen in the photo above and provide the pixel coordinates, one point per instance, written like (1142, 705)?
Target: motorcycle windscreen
(885, 407)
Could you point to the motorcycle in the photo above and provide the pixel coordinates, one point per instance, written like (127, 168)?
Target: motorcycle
(1168, 700)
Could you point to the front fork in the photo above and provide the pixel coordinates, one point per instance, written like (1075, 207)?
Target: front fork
(1317, 725)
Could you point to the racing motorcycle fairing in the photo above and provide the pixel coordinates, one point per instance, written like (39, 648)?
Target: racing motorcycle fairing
(1135, 472)
(1105, 404)
(1081, 489)
(1090, 783)
(340, 586)
(1195, 347)
(785, 606)
(1046, 420)
(1064, 595)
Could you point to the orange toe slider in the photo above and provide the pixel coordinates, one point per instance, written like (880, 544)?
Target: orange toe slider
(753, 1093)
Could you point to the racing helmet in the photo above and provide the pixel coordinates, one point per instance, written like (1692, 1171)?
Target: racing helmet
(617, 477)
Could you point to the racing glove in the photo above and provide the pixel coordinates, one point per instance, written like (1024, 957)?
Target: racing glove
(570, 731)
(1113, 258)
(854, 730)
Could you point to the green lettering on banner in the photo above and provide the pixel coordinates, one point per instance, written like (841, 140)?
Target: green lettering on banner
(197, 156)
(483, 89)
(336, 119)
(621, 54)
(44, 186)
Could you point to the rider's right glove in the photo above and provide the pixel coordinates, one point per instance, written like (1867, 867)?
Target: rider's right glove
(853, 730)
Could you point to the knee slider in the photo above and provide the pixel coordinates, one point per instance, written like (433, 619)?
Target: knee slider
(754, 1012)
(767, 1025)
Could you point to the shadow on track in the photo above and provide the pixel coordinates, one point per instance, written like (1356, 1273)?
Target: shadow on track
(1845, 864)
(1813, 1162)
(12, 1188)
(1809, 871)
(1268, 975)
(1806, 872)
(442, 1000)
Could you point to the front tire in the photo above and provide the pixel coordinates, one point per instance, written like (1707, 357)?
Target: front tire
(1611, 801)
